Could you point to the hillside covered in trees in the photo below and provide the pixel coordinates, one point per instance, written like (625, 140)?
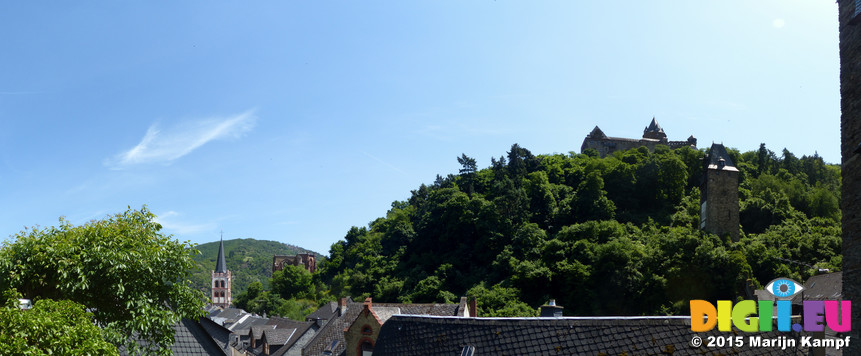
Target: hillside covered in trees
(249, 260)
(604, 236)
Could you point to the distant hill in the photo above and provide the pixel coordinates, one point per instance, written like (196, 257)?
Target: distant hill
(248, 260)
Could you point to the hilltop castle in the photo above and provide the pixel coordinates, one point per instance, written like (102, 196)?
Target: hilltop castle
(653, 135)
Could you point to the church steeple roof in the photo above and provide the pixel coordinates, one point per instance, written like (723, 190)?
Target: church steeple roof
(221, 264)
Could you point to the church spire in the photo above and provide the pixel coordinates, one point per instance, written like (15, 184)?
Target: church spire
(221, 278)
(221, 264)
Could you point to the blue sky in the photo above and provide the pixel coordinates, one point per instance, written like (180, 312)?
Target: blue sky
(295, 120)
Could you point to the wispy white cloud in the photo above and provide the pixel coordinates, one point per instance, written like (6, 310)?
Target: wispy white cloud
(170, 221)
(384, 163)
(778, 23)
(165, 146)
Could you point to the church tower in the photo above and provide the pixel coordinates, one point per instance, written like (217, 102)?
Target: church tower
(719, 193)
(221, 280)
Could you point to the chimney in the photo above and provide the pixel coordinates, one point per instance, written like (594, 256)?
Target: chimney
(551, 310)
(342, 306)
(25, 304)
(473, 307)
(462, 308)
(367, 304)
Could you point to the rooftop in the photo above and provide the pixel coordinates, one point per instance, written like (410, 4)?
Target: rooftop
(422, 335)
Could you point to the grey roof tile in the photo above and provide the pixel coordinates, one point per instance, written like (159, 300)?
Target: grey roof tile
(421, 335)
(190, 339)
(277, 337)
(334, 329)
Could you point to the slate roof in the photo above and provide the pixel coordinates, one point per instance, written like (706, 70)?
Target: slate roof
(715, 154)
(219, 334)
(653, 126)
(257, 330)
(423, 335)
(384, 313)
(277, 337)
(326, 312)
(596, 133)
(228, 315)
(334, 329)
(245, 323)
(821, 287)
(221, 264)
(190, 339)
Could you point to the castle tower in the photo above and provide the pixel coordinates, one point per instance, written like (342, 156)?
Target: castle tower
(654, 131)
(850, 151)
(221, 278)
(719, 193)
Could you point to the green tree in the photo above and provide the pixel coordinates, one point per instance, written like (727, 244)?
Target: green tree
(590, 202)
(499, 301)
(292, 282)
(468, 172)
(49, 328)
(253, 291)
(122, 268)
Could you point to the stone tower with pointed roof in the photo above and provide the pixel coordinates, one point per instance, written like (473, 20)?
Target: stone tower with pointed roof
(652, 135)
(654, 131)
(719, 193)
(221, 279)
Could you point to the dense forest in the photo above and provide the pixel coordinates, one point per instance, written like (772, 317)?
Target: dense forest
(603, 236)
(249, 260)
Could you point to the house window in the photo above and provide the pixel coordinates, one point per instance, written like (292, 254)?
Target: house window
(468, 350)
(857, 10)
(367, 330)
(367, 348)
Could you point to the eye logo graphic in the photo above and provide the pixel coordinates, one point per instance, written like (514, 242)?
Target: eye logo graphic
(783, 288)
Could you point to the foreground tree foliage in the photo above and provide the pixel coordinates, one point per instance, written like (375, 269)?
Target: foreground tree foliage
(603, 236)
(122, 268)
(49, 328)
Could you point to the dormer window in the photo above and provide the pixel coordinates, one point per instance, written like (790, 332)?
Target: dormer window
(856, 12)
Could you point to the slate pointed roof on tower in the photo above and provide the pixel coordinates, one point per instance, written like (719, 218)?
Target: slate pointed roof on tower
(653, 126)
(221, 264)
(716, 153)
